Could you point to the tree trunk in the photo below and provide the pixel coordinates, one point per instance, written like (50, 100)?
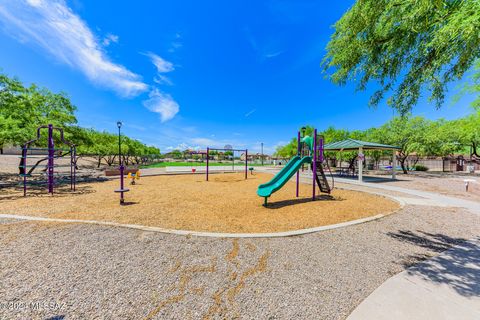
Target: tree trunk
(402, 161)
(415, 161)
(110, 160)
(126, 160)
(474, 150)
(23, 170)
(351, 163)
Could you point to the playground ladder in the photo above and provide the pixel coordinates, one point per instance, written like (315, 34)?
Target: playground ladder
(321, 179)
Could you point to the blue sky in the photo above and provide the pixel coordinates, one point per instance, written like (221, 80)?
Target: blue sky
(191, 73)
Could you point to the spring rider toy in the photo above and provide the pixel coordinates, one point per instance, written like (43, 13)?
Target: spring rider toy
(133, 177)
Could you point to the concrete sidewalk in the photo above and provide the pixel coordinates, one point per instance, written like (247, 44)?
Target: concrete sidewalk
(426, 198)
(444, 287)
(438, 199)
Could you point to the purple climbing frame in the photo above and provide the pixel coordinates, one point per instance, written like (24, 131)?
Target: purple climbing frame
(317, 156)
(50, 160)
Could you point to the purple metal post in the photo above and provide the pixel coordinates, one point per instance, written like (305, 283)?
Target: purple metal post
(246, 162)
(51, 155)
(71, 168)
(314, 167)
(122, 168)
(208, 151)
(122, 199)
(122, 189)
(298, 153)
(75, 169)
(24, 165)
(50, 158)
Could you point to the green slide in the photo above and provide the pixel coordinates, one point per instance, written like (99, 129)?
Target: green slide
(265, 190)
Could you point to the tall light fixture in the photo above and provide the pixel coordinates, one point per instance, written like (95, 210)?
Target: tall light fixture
(262, 153)
(122, 190)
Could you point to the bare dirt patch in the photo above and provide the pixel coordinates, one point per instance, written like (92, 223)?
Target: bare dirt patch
(227, 203)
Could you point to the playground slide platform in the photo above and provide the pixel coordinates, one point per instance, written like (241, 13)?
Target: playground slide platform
(265, 190)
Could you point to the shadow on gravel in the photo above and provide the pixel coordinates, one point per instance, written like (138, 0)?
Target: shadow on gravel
(38, 191)
(37, 187)
(292, 202)
(458, 268)
(434, 242)
(129, 203)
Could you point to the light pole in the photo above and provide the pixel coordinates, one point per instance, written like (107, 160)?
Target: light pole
(262, 153)
(119, 126)
(121, 190)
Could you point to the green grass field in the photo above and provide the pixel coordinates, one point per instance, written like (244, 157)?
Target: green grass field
(195, 164)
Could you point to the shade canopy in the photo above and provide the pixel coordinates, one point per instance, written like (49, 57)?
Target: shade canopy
(352, 144)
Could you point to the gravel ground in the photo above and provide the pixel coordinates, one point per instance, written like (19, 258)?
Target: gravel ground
(349, 186)
(226, 203)
(51, 270)
(446, 184)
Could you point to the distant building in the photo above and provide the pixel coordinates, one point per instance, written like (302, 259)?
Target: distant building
(256, 157)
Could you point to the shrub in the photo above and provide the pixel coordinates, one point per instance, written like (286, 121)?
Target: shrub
(419, 167)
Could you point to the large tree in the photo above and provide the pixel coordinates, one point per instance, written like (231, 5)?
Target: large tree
(23, 109)
(408, 133)
(406, 47)
(469, 128)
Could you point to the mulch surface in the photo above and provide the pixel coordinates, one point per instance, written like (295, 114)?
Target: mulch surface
(227, 203)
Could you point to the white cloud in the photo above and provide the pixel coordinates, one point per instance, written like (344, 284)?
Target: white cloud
(249, 113)
(53, 26)
(204, 142)
(266, 49)
(34, 3)
(216, 143)
(270, 55)
(161, 79)
(183, 146)
(176, 44)
(162, 65)
(163, 104)
(109, 38)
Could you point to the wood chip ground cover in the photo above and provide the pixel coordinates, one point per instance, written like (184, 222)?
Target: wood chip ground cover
(226, 203)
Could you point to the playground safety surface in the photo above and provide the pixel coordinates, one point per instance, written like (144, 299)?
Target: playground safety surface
(226, 203)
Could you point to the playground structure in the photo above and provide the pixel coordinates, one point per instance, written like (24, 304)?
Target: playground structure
(188, 202)
(50, 159)
(310, 151)
(233, 158)
(133, 176)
